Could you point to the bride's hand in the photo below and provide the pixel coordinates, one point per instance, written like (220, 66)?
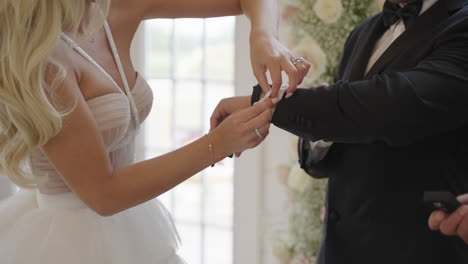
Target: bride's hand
(268, 54)
(226, 107)
(237, 132)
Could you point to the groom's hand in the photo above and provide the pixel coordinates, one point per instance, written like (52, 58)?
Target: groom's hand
(226, 107)
(455, 224)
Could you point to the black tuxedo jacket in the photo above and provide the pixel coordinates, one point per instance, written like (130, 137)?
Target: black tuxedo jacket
(400, 130)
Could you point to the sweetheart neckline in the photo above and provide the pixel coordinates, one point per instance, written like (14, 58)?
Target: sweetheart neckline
(132, 91)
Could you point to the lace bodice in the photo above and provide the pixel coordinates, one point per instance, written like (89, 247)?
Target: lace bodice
(118, 116)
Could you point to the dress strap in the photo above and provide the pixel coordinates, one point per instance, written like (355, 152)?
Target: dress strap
(118, 62)
(85, 55)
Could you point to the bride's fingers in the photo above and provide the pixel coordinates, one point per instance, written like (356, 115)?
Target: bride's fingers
(214, 123)
(216, 119)
(303, 69)
(261, 120)
(257, 109)
(293, 76)
(256, 140)
(263, 132)
(260, 74)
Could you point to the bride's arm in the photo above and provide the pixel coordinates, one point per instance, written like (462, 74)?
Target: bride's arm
(267, 53)
(181, 8)
(79, 155)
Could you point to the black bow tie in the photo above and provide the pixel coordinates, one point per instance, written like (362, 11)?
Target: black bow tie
(393, 12)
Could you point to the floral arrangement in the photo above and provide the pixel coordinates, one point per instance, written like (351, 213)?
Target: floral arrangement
(316, 30)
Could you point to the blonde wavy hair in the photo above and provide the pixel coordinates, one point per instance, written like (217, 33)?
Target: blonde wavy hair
(29, 33)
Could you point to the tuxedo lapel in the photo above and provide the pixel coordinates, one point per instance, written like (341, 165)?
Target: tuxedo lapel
(421, 29)
(455, 5)
(360, 59)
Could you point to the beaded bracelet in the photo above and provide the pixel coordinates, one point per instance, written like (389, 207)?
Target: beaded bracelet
(210, 147)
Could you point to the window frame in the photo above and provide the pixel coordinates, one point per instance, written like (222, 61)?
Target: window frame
(248, 170)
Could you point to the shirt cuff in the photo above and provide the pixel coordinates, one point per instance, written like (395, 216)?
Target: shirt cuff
(318, 150)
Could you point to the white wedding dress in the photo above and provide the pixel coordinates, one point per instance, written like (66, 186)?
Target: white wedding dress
(51, 225)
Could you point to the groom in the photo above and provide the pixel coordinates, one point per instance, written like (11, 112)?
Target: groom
(398, 117)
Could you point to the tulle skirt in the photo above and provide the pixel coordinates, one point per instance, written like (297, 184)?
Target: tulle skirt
(61, 229)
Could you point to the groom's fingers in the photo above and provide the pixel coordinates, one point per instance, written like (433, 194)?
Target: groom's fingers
(450, 225)
(436, 219)
(463, 230)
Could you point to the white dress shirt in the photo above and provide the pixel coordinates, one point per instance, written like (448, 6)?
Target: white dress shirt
(320, 148)
(391, 35)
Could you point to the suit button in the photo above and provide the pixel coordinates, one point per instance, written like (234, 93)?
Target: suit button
(334, 216)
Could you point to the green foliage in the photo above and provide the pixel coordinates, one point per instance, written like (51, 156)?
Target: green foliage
(305, 227)
(331, 37)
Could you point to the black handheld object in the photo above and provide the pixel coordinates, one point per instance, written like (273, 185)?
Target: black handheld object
(442, 200)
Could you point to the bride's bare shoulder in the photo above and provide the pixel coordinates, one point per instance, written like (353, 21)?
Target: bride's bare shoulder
(65, 69)
(64, 57)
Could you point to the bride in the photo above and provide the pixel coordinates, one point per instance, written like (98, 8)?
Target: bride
(70, 106)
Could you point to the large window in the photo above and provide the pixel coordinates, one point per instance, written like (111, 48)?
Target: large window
(190, 67)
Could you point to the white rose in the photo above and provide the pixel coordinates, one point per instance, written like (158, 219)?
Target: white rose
(298, 179)
(329, 11)
(312, 52)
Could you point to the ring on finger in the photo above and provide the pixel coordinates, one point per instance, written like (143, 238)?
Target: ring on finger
(259, 134)
(297, 60)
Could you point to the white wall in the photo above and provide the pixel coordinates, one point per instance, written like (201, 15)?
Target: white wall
(259, 197)
(6, 188)
(139, 62)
